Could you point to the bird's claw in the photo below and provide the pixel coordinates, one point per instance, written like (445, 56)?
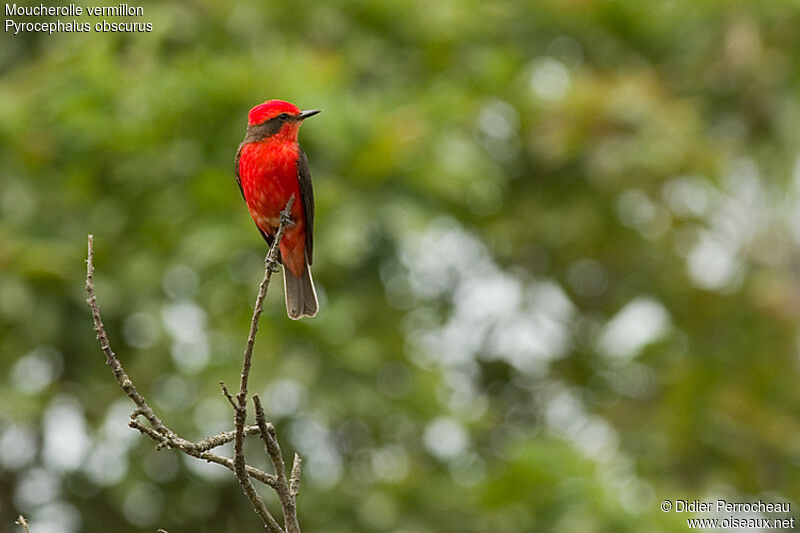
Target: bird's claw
(272, 266)
(286, 215)
(286, 219)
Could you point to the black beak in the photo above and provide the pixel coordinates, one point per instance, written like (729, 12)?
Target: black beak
(305, 114)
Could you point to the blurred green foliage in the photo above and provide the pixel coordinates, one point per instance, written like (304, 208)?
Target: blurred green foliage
(556, 247)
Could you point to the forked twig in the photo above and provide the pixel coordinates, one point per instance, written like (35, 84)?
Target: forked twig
(166, 438)
(23, 523)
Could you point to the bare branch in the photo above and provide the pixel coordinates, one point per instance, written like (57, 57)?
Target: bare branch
(282, 486)
(166, 438)
(240, 406)
(240, 469)
(270, 263)
(189, 448)
(21, 522)
(122, 378)
(213, 441)
(294, 482)
(227, 394)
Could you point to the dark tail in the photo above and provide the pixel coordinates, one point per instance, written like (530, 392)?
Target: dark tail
(301, 297)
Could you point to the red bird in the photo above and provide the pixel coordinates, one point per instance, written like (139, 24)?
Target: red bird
(270, 168)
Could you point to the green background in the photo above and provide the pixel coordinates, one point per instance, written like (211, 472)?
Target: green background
(556, 249)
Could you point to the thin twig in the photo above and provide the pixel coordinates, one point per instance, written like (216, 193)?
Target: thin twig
(189, 448)
(227, 394)
(21, 522)
(122, 378)
(166, 438)
(270, 266)
(240, 469)
(282, 484)
(240, 407)
(213, 441)
(294, 481)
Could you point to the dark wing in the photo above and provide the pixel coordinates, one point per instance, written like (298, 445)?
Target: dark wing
(307, 192)
(238, 179)
(267, 237)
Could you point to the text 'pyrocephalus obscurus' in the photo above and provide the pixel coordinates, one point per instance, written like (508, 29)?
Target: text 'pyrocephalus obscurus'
(270, 168)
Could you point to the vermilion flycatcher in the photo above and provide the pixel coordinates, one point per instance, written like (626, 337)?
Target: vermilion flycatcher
(270, 167)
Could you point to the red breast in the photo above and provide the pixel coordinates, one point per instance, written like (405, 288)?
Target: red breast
(268, 173)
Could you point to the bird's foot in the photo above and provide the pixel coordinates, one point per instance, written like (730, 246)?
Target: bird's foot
(286, 219)
(286, 215)
(272, 265)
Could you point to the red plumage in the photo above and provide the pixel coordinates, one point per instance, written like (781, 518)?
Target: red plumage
(271, 167)
(269, 178)
(270, 109)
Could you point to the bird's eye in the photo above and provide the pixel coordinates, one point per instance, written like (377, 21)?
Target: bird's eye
(284, 116)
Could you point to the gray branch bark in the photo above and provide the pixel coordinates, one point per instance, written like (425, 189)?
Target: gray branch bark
(166, 438)
(23, 523)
